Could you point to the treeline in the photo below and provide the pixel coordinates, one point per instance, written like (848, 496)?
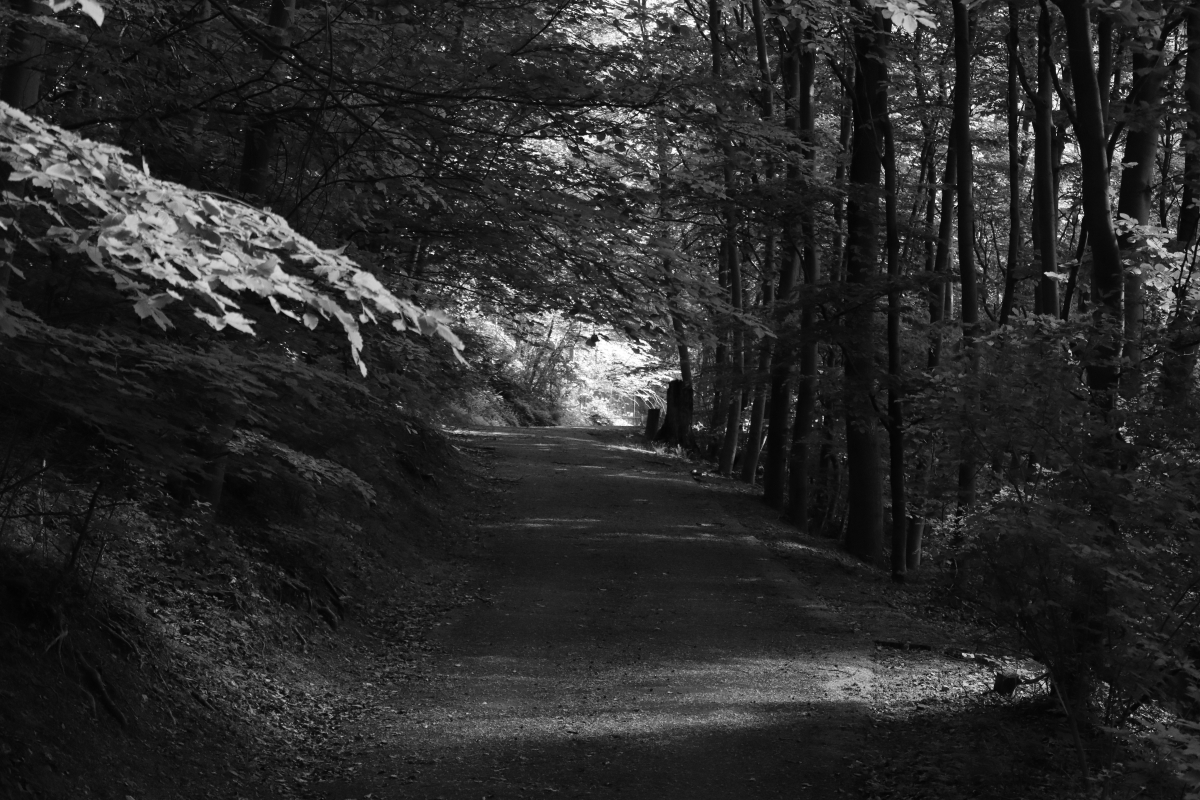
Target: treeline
(949, 251)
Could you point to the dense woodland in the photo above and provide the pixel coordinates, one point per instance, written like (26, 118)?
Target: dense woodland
(923, 270)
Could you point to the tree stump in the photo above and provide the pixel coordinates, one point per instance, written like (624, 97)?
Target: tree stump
(677, 427)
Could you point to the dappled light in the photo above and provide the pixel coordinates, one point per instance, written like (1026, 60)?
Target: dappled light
(667, 699)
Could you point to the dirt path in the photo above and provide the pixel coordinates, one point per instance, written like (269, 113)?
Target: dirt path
(643, 638)
(639, 642)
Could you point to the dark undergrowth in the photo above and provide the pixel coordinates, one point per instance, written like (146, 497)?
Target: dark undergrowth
(152, 650)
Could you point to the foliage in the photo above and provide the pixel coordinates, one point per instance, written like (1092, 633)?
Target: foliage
(145, 234)
(551, 370)
(1086, 548)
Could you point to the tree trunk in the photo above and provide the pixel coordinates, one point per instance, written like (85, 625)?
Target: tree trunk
(677, 426)
(838, 249)
(864, 522)
(1106, 257)
(1013, 261)
(262, 129)
(775, 469)
(895, 377)
(733, 408)
(1045, 187)
(941, 259)
(1179, 361)
(1141, 152)
(806, 389)
(754, 439)
(1189, 206)
(966, 229)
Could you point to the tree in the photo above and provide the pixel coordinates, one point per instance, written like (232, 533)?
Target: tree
(965, 156)
(864, 525)
(1107, 274)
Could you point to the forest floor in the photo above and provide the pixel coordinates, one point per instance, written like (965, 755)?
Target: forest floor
(602, 622)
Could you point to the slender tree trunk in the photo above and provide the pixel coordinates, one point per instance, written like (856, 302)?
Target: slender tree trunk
(966, 228)
(945, 243)
(685, 355)
(1179, 361)
(754, 440)
(737, 357)
(838, 246)
(1189, 206)
(1045, 185)
(664, 231)
(1106, 257)
(895, 376)
(806, 388)
(1134, 199)
(934, 289)
(1166, 163)
(864, 523)
(1104, 71)
(775, 471)
(1013, 261)
(754, 437)
(733, 399)
(262, 129)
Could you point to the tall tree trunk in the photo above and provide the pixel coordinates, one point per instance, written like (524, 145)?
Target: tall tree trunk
(775, 470)
(1045, 185)
(1143, 129)
(733, 392)
(838, 246)
(754, 438)
(945, 243)
(806, 388)
(895, 378)
(676, 313)
(262, 129)
(864, 522)
(1102, 371)
(929, 129)
(966, 228)
(1013, 103)
(1179, 361)
(1104, 71)
(1189, 206)
(737, 354)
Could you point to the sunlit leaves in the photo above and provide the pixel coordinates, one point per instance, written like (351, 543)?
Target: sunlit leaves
(86, 199)
(906, 14)
(89, 7)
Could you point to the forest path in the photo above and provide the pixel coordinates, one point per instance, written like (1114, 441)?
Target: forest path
(639, 642)
(646, 635)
